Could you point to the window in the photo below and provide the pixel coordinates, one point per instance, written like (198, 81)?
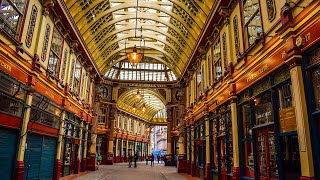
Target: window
(217, 60)
(199, 83)
(55, 54)
(102, 115)
(209, 69)
(77, 74)
(11, 13)
(125, 123)
(252, 19)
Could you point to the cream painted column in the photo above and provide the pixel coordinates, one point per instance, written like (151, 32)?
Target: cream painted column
(61, 127)
(80, 137)
(181, 145)
(24, 129)
(207, 134)
(298, 93)
(169, 138)
(121, 151)
(235, 138)
(85, 146)
(23, 138)
(127, 148)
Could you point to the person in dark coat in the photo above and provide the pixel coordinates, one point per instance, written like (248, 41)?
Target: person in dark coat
(130, 159)
(158, 158)
(152, 159)
(135, 158)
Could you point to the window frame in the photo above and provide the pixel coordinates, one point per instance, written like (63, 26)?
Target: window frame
(59, 57)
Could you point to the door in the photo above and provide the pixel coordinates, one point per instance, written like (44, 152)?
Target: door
(266, 150)
(8, 149)
(39, 158)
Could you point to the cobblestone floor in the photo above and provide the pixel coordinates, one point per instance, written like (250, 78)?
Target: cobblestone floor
(121, 171)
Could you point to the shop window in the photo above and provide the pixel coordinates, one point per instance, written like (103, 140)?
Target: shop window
(55, 54)
(11, 13)
(252, 19)
(102, 115)
(209, 70)
(199, 81)
(215, 144)
(291, 157)
(217, 60)
(315, 77)
(77, 74)
(263, 109)
(246, 119)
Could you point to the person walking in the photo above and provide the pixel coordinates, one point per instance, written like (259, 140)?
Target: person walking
(135, 158)
(99, 159)
(158, 158)
(147, 160)
(130, 159)
(152, 159)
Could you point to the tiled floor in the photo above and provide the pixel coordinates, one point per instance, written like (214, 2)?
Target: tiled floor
(121, 171)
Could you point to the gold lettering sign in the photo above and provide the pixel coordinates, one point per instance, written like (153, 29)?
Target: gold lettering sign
(49, 94)
(5, 65)
(256, 74)
(287, 120)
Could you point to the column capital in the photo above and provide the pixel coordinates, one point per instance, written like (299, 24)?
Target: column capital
(293, 61)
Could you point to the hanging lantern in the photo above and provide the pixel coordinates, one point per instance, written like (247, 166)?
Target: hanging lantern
(134, 108)
(138, 96)
(134, 57)
(144, 108)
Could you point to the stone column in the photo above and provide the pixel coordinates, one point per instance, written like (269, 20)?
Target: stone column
(192, 151)
(207, 134)
(182, 159)
(235, 140)
(112, 118)
(23, 139)
(85, 147)
(188, 150)
(298, 93)
(58, 166)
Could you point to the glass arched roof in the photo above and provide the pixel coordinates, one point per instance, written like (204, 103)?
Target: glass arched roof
(144, 71)
(155, 104)
(169, 28)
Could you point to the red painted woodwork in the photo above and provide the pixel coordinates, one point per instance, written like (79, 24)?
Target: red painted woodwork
(188, 167)
(19, 170)
(223, 174)
(118, 159)
(42, 129)
(207, 172)
(84, 164)
(110, 158)
(182, 164)
(236, 173)
(193, 169)
(104, 159)
(58, 170)
(91, 166)
(307, 178)
(77, 168)
(9, 121)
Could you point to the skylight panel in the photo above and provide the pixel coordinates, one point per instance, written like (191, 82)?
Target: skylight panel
(151, 11)
(115, 4)
(165, 18)
(167, 7)
(161, 36)
(164, 28)
(131, 9)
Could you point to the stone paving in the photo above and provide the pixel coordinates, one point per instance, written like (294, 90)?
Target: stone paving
(121, 171)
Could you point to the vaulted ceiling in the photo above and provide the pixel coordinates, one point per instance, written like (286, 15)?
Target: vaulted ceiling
(169, 29)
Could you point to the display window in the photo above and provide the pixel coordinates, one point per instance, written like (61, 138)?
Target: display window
(311, 63)
(222, 141)
(267, 117)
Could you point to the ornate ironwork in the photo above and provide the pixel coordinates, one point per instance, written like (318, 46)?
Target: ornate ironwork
(271, 9)
(282, 76)
(224, 47)
(236, 35)
(244, 97)
(314, 56)
(71, 73)
(45, 43)
(64, 64)
(261, 87)
(32, 24)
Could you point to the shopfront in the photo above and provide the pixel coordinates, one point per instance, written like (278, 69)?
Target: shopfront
(199, 148)
(102, 147)
(221, 137)
(13, 96)
(269, 147)
(41, 146)
(71, 160)
(311, 66)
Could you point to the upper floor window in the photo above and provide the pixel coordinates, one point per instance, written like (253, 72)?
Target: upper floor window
(252, 19)
(217, 60)
(11, 13)
(77, 74)
(102, 115)
(55, 54)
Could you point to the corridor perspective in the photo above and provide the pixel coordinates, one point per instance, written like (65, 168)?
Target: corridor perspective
(215, 89)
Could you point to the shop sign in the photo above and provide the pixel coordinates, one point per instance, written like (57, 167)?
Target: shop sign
(47, 92)
(287, 120)
(261, 70)
(309, 36)
(12, 70)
